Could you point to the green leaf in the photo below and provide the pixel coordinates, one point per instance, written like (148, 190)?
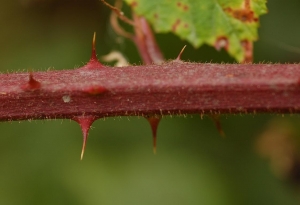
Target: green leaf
(219, 23)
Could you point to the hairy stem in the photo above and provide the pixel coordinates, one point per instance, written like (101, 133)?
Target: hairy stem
(171, 88)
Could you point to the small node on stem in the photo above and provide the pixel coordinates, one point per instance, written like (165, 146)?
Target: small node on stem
(85, 123)
(119, 13)
(95, 90)
(154, 122)
(32, 84)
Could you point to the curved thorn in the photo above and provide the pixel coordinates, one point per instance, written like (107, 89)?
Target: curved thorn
(179, 56)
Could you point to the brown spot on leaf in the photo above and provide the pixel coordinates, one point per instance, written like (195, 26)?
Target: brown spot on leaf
(182, 6)
(247, 4)
(32, 84)
(244, 14)
(134, 4)
(221, 42)
(175, 25)
(248, 50)
(156, 15)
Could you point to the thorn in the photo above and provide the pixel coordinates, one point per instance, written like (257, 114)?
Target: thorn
(93, 62)
(154, 121)
(85, 123)
(32, 84)
(179, 56)
(216, 119)
(94, 55)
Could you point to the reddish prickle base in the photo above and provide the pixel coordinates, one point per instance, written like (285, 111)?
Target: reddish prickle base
(93, 62)
(95, 90)
(85, 123)
(32, 84)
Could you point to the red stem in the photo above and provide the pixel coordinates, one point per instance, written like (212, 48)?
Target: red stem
(145, 42)
(171, 88)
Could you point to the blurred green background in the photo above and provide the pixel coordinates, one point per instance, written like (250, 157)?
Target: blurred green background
(40, 160)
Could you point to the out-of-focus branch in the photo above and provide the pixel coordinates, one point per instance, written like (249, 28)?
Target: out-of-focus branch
(143, 37)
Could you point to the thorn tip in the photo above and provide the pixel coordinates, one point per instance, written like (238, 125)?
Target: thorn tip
(94, 41)
(154, 150)
(85, 123)
(94, 55)
(179, 56)
(82, 152)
